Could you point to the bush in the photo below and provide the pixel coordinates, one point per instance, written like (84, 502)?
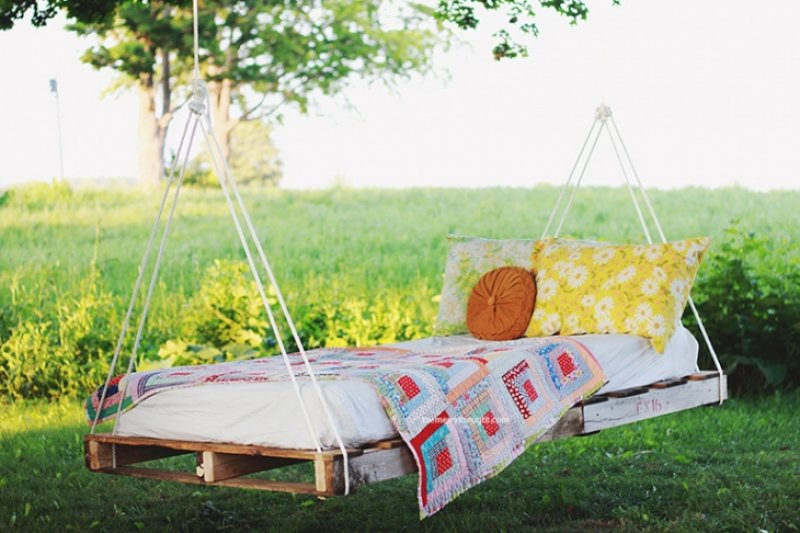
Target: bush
(55, 342)
(341, 315)
(752, 312)
(223, 321)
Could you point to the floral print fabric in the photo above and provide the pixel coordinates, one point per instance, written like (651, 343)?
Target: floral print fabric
(584, 287)
(467, 260)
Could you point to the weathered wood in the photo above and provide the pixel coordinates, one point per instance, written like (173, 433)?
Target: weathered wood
(667, 383)
(385, 444)
(597, 398)
(221, 447)
(626, 393)
(218, 466)
(191, 446)
(242, 483)
(570, 424)
(656, 402)
(224, 464)
(99, 455)
(323, 473)
(703, 375)
(372, 467)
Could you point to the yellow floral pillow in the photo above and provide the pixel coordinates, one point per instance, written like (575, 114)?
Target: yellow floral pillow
(588, 287)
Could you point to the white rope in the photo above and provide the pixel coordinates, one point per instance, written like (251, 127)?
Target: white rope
(195, 28)
(139, 278)
(578, 183)
(226, 179)
(567, 183)
(603, 115)
(154, 275)
(630, 188)
(259, 284)
(639, 181)
(660, 230)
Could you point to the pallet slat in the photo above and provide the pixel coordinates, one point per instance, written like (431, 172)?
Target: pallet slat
(657, 402)
(217, 466)
(99, 456)
(224, 464)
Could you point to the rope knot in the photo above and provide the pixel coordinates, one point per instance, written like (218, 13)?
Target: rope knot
(602, 112)
(199, 97)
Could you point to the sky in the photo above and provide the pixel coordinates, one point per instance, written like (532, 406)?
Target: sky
(704, 93)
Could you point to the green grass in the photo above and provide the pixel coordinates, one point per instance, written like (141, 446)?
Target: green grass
(374, 238)
(734, 468)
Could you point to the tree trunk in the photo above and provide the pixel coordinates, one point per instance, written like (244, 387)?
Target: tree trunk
(151, 135)
(220, 94)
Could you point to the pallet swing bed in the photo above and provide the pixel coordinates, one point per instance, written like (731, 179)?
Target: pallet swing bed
(455, 409)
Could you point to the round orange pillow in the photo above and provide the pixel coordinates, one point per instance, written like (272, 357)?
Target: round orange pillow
(501, 304)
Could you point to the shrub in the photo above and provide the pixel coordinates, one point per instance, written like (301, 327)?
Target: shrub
(752, 312)
(336, 314)
(224, 320)
(55, 342)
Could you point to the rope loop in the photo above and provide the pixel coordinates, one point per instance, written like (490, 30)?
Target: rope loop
(603, 112)
(199, 97)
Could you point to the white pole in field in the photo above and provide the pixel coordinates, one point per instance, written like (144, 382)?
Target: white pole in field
(54, 90)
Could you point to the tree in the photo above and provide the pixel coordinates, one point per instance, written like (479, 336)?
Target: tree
(254, 158)
(283, 52)
(146, 44)
(87, 11)
(520, 15)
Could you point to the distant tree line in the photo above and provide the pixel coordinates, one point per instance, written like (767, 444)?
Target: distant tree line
(258, 56)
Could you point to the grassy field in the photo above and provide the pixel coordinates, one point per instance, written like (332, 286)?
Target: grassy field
(357, 266)
(69, 259)
(369, 238)
(735, 468)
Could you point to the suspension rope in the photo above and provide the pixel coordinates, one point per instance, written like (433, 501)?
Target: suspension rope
(578, 183)
(224, 183)
(139, 277)
(226, 179)
(195, 28)
(634, 199)
(660, 229)
(567, 183)
(604, 115)
(154, 275)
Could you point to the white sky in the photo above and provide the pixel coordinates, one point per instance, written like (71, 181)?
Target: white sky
(705, 93)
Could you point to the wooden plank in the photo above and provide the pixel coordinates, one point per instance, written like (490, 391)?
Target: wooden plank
(386, 444)
(627, 393)
(100, 455)
(656, 402)
(597, 398)
(190, 446)
(242, 483)
(323, 473)
(703, 375)
(372, 467)
(223, 464)
(570, 424)
(667, 383)
(217, 466)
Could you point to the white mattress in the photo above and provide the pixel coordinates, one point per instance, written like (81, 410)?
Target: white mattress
(268, 413)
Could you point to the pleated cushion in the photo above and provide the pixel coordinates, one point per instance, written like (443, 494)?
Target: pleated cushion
(501, 304)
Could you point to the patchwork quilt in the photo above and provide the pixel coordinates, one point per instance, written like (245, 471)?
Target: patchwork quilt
(465, 417)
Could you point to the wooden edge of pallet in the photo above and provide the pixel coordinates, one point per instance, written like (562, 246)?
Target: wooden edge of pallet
(224, 464)
(219, 447)
(656, 401)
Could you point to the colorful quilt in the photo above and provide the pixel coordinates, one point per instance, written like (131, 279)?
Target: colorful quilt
(465, 417)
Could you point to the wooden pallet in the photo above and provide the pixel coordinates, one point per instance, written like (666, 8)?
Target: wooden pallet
(225, 465)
